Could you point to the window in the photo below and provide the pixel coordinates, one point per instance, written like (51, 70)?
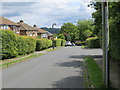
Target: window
(4, 27)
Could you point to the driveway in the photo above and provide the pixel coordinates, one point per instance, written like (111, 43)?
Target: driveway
(62, 68)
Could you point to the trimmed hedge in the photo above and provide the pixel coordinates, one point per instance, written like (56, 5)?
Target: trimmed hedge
(92, 42)
(57, 42)
(114, 48)
(9, 44)
(63, 42)
(25, 45)
(13, 45)
(43, 44)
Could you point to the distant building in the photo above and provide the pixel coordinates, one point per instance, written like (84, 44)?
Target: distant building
(27, 30)
(6, 24)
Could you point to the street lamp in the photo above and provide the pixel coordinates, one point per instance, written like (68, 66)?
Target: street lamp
(53, 33)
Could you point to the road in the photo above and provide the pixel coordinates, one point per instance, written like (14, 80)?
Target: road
(62, 68)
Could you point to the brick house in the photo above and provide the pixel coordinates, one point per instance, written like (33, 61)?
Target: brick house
(27, 30)
(6, 24)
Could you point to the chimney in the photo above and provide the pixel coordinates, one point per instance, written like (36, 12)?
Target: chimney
(34, 25)
(21, 21)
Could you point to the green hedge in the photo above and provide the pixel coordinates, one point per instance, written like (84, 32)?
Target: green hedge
(92, 42)
(25, 45)
(114, 50)
(57, 42)
(43, 44)
(13, 45)
(9, 44)
(63, 42)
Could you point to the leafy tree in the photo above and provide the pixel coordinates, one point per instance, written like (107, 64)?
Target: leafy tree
(84, 25)
(87, 33)
(61, 36)
(71, 30)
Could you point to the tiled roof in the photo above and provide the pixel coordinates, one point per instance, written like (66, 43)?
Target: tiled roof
(6, 21)
(24, 26)
(40, 30)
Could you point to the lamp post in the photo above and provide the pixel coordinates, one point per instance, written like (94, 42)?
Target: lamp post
(53, 33)
(105, 45)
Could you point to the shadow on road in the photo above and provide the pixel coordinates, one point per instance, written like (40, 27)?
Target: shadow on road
(82, 56)
(69, 82)
(73, 63)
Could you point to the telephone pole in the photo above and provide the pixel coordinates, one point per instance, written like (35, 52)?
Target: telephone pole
(105, 42)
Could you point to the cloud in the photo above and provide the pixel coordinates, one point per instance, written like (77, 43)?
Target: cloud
(45, 13)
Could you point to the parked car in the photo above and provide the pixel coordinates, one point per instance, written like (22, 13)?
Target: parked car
(73, 44)
(68, 43)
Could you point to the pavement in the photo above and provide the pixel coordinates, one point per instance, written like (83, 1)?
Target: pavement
(62, 68)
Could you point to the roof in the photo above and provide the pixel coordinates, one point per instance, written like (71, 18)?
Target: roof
(40, 30)
(24, 26)
(6, 21)
(49, 34)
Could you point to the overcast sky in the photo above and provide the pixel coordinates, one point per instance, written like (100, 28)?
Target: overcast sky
(46, 12)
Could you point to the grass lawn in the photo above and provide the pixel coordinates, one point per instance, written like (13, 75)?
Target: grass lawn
(93, 73)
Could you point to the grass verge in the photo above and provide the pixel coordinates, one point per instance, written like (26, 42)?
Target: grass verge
(8, 64)
(93, 74)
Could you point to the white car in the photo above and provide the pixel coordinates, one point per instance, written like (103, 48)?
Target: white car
(68, 43)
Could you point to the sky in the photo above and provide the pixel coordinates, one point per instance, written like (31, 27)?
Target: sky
(44, 13)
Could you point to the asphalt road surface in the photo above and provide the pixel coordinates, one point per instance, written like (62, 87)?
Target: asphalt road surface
(62, 68)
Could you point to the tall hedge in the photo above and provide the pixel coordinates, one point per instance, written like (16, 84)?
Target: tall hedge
(57, 42)
(25, 45)
(9, 44)
(13, 45)
(114, 48)
(43, 44)
(92, 42)
(63, 42)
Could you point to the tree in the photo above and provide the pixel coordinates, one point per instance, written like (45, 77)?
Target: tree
(71, 30)
(84, 25)
(61, 36)
(87, 33)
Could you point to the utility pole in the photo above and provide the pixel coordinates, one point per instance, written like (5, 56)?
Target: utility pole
(53, 44)
(105, 42)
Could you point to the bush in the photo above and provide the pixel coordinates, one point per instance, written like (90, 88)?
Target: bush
(9, 48)
(43, 44)
(57, 42)
(63, 42)
(92, 42)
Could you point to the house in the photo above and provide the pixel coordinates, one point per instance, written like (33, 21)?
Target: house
(27, 30)
(6, 24)
(41, 33)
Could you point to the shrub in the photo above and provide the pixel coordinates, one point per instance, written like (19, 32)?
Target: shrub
(43, 44)
(92, 42)
(9, 48)
(57, 42)
(63, 42)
